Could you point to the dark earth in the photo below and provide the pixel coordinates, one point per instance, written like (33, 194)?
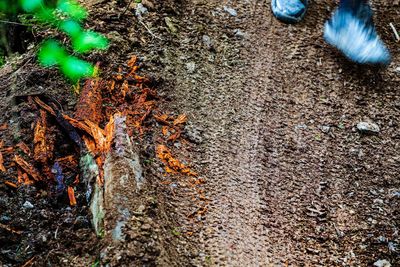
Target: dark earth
(272, 130)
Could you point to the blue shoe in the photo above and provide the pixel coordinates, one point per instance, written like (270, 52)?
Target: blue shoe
(353, 33)
(289, 11)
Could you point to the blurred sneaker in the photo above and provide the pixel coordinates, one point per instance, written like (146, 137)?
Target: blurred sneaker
(289, 11)
(353, 33)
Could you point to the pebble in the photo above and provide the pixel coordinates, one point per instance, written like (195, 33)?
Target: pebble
(382, 263)
(239, 34)
(27, 205)
(191, 67)
(368, 128)
(231, 11)
(5, 219)
(207, 41)
(392, 247)
(140, 10)
(325, 129)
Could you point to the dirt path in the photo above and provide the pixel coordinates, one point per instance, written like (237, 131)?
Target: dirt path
(290, 180)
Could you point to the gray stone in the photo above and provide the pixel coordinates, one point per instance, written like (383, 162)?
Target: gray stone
(325, 129)
(190, 67)
(207, 41)
(140, 10)
(239, 34)
(382, 263)
(231, 11)
(368, 128)
(28, 205)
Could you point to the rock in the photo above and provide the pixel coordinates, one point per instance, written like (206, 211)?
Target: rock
(207, 41)
(231, 11)
(27, 205)
(382, 263)
(368, 128)
(140, 10)
(191, 67)
(5, 219)
(239, 34)
(392, 247)
(325, 129)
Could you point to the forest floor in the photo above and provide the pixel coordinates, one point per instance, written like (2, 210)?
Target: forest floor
(284, 177)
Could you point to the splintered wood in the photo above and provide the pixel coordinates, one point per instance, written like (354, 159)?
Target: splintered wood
(172, 165)
(28, 168)
(43, 147)
(89, 106)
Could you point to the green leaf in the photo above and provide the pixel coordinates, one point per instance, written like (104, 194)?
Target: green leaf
(75, 68)
(51, 53)
(31, 5)
(89, 40)
(71, 27)
(72, 9)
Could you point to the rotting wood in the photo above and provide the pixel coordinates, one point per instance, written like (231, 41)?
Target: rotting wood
(112, 205)
(90, 102)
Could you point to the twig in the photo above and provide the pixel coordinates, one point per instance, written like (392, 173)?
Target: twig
(126, 9)
(29, 262)
(151, 33)
(15, 23)
(10, 229)
(396, 34)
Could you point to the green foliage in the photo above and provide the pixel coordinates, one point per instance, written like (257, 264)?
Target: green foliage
(66, 16)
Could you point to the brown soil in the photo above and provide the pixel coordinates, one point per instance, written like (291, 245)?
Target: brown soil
(272, 114)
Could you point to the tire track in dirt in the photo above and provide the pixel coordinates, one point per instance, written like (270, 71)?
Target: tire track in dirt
(282, 191)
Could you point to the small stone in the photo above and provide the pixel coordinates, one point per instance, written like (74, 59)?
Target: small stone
(191, 67)
(239, 34)
(300, 127)
(392, 247)
(231, 11)
(207, 41)
(27, 205)
(382, 263)
(5, 219)
(325, 129)
(140, 10)
(368, 128)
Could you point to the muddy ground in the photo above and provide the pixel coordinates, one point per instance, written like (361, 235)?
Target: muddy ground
(289, 181)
